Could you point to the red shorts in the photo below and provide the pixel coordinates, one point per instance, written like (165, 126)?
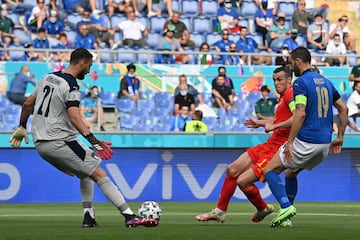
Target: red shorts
(260, 155)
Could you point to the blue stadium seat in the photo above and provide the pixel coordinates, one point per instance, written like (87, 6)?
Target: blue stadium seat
(244, 23)
(144, 57)
(165, 118)
(116, 19)
(142, 128)
(222, 128)
(187, 21)
(71, 36)
(257, 37)
(352, 58)
(175, 6)
(190, 7)
(125, 105)
(146, 105)
(234, 37)
(108, 99)
(29, 123)
(197, 38)
(143, 20)
(240, 128)
(287, 8)
(161, 127)
(149, 120)
(4, 103)
(157, 24)
(106, 57)
(211, 122)
(163, 96)
(13, 109)
(25, 37)
(153, 39)
(73, 19)
(202, 25)
(212, 37)
(248, 9)
(14, 17)
(146, 95)
(162, 112)
(301, 41)
(11, 121)
(253, 97)
(126, 55)
(127, 122)
(221, 113)
(209, 8)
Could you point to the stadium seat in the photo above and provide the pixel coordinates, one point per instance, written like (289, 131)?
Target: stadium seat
(161, 127)
(301, 41)
(352, 58)
(73, 19)
(125, 105)
(127, 122)
(153, 39)
(144, 21)
(146, 105)
(162, 112)
(253, 97)
(286, 7)
(222, 128)
(163, 96)
(116, 19)
(144, 57)
(187, 21)
(240, 128)
(164, 119)
(4, 103)
(248, 8)
(157, 24)
(11, 121)
(148, 120)
(126, 55)
(190, 7)
(175, 6)
(25, 37)
(108, 99)
(211, 122)
(71, 36)
(209, 8)
(146, 95)
(14, 17)
(257, 37)
(202, 25)
(221, 113)
(106, 56)
(197, 38)
(244, 23)
(13, 109)
(142, 128)
(212, 37)
(234, 37)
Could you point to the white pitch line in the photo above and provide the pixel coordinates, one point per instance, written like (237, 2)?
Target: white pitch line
(166, 214)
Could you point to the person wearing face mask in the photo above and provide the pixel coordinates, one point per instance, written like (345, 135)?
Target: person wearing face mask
(179, 121)
(278, 32)
(336, 47)
(130, 84)
(228, 18)
(18, 85)
(290, 41)
(53, 27)
(232, 59)
(91, 109)
(317, 36)
(184, 98)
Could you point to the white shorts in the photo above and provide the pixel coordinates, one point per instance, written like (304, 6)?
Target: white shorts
(305, 155)
(71, 157)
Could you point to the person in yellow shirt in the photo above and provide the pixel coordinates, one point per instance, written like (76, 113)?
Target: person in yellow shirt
(196, 124)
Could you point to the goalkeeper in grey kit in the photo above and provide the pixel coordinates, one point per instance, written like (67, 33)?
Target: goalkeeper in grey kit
(55, 125)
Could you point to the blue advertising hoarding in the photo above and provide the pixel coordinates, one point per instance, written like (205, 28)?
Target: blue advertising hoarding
(167, 175)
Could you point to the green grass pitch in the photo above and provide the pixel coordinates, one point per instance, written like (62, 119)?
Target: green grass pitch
(63, 221)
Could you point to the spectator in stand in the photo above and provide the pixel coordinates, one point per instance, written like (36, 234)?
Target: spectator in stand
(29, 55)
(178, 122)
(79, 6)
(227, 80)
(182, 34)
(222, 94)
(232, 59)
(283, 60)
(118, 6)
(130, 84)
(343, 31)
(290, 41)
(133, 30)
(169, 43)
(4, 56)
(191, 89)
(184, 98)
(196, 124)
(41, 42)
(156, 7)
(236, 5)
(7, 25)
(39, 13)
(336, 47)
(317, 35)
(18, 85)
(206, 58)
(53, 5)
(18, 6)
(265, 107)
(247, 44)
(98, 26)
(84, 39)
(353, 103)
(223, 45)
(301, 18)
(91, 109)
(228, 18)
(354, 75)
(278, 32)
(263, 20)
(272, 5)
(139, 6)
(62, 56)
(53, 26)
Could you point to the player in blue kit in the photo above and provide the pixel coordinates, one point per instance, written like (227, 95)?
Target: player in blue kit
(310, 136)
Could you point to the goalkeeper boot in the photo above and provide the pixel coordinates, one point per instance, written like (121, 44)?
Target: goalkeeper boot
(260, 215)
(134, 221)
(284, 213)
(212, 215)
(89, 221)
(286, 224)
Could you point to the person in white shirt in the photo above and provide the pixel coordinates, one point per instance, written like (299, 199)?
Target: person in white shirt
(133, 30)
(353, 103)
(344, 32)
(335, 48)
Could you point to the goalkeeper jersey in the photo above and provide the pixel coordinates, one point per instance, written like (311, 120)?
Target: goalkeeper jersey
(55, 93)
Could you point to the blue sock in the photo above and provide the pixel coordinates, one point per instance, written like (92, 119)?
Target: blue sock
(277, 188)
(291, 188)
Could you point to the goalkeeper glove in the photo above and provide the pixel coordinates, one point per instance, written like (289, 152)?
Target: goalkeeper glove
(17, 137)
(101, 147)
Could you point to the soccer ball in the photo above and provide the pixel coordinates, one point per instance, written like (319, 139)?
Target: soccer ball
(150, 210)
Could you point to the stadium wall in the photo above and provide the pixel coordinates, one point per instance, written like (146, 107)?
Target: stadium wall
(170, 168)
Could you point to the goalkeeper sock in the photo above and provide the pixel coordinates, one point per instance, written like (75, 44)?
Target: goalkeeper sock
(253, 194)
(291, 187)
(227, 190)
(87, 192)
(113, 194)
(277, 188)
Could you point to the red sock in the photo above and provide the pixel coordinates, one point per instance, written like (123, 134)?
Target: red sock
(227, 191)
(253, 194)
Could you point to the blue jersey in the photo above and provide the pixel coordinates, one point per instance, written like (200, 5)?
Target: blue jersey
(320, 95)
